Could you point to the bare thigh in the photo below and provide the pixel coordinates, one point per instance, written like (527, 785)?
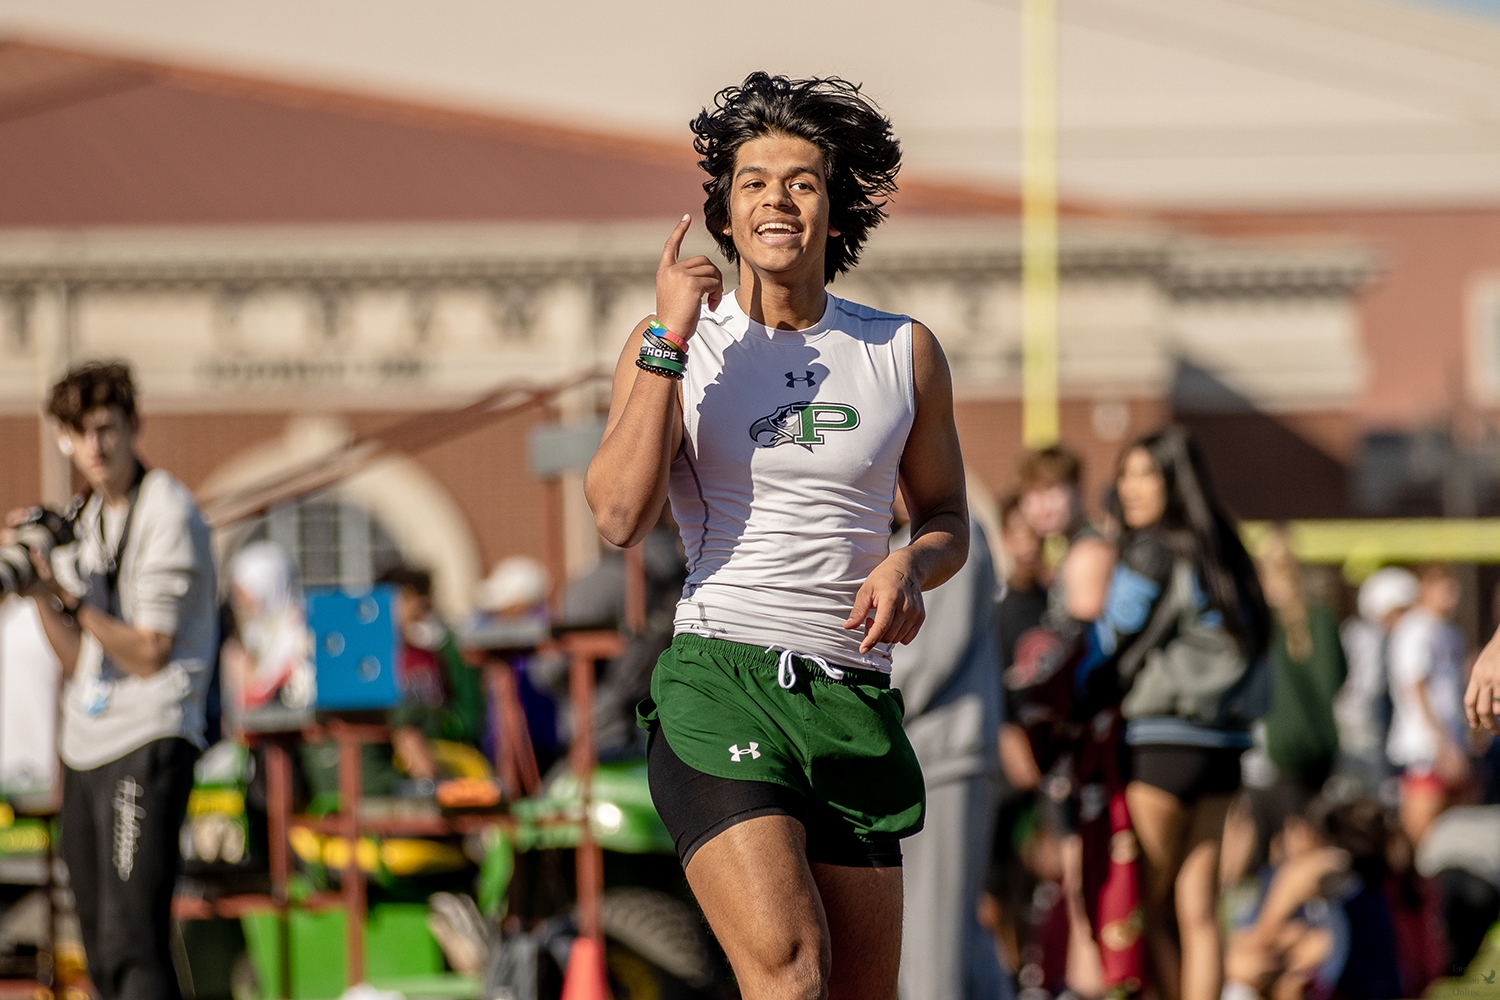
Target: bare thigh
(1160, 822)
(863, 910)
(757, 891)
(793, 929)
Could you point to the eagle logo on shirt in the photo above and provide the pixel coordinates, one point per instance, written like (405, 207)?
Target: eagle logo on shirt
(803, 423)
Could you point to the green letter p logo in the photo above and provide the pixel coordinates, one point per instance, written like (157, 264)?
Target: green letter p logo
(820, 417)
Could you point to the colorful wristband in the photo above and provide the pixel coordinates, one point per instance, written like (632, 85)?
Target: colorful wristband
(676, 340)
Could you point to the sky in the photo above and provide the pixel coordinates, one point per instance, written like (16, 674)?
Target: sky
(1215, 101)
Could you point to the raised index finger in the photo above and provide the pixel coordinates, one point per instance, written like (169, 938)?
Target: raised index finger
(674, 242)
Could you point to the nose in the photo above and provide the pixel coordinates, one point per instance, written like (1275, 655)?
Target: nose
(777, 196)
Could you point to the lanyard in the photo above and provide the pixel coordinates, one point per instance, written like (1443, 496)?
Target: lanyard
(112, 565)
(104, 592)
(104, 588)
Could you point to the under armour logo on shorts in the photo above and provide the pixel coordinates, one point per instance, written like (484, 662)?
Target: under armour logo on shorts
(792, 380)
(735, 753)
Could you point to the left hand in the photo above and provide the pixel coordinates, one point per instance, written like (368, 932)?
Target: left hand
(894, 594)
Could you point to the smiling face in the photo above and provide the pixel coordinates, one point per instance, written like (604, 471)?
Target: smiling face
(1142, 490)
(778, 207)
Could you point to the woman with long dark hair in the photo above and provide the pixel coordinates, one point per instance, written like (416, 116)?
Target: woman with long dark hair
(1184, 635)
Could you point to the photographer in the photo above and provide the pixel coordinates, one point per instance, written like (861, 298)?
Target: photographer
(137, 648)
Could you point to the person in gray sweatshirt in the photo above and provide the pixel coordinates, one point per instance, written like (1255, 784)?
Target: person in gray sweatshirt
(130, 609)
(949, 678)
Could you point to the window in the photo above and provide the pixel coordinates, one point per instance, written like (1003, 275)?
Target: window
(334, 543)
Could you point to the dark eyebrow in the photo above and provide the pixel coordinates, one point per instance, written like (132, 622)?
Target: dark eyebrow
(751, 169)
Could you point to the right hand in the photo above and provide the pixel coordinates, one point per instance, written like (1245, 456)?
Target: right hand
(1482, 700)
(681, 285)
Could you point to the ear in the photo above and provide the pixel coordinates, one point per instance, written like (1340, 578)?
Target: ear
(834, 231)
(65, 443)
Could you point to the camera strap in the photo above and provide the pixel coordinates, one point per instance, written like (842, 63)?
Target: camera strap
(104, 588)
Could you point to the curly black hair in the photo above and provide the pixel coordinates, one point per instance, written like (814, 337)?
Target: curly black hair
(90, 386)
(860, 155)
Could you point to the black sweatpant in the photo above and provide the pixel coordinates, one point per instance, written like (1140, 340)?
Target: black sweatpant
(120, 826)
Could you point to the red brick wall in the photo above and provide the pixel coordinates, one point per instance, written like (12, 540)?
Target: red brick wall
(990, 433)
(20, 472)
(1413, 317)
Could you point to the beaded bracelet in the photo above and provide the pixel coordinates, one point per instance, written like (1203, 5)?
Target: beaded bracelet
(645, 366)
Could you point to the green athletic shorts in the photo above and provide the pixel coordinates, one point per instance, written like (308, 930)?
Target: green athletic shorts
(837, 743)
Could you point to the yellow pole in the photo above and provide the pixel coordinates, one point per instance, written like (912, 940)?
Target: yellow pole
(1039, 419)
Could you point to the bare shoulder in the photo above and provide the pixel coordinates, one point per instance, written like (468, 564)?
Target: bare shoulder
(929, 365)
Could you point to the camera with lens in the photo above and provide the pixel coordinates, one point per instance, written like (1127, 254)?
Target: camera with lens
(41, 530)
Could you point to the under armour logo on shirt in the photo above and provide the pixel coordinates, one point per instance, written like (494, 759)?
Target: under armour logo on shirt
(792, 380)
(735, 753)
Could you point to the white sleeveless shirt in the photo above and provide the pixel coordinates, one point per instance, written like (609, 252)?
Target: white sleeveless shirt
(786, 477)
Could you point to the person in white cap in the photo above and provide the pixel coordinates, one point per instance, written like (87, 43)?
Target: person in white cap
(1362, 709)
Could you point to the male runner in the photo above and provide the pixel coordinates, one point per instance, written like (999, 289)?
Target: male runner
(779, 420)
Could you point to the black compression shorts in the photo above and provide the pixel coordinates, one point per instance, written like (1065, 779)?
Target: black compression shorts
(697, 807)
(1188, 773)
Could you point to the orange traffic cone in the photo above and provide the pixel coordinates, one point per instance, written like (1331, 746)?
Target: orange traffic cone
(586, 979)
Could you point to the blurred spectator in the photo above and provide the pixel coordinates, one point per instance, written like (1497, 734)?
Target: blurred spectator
(511, 614)
(951, 690)
(1363, 706)
(1428, 739)
(1461, 852)
(1310, 918)
(266, 661)
(441, 696)
(1307, 663)
(1023, 596)
(517, 587)
(1184, 632)
(1022, 604)
(596, 600)
(1051, 505)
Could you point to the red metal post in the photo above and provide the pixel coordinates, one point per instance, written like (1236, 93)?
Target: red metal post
(589, 862)
(278, 819)
(351, 780)
(278, 815)
(553, 541)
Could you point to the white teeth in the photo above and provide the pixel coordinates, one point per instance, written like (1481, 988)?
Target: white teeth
(777, 227)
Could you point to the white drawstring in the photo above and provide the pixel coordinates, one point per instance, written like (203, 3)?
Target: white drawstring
(786, 668)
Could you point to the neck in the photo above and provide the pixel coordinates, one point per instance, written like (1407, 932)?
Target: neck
(792, 305)
(116, 489)
(1023, 578)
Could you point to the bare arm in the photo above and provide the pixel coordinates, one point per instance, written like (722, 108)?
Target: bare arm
(626, 482)
(62, 634)
(137, 651)
(1086, 571)
(932, 481)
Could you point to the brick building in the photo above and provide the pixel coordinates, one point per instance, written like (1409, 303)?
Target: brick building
(288, 267)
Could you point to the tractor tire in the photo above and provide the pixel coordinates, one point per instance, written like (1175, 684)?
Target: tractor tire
(665, 932)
